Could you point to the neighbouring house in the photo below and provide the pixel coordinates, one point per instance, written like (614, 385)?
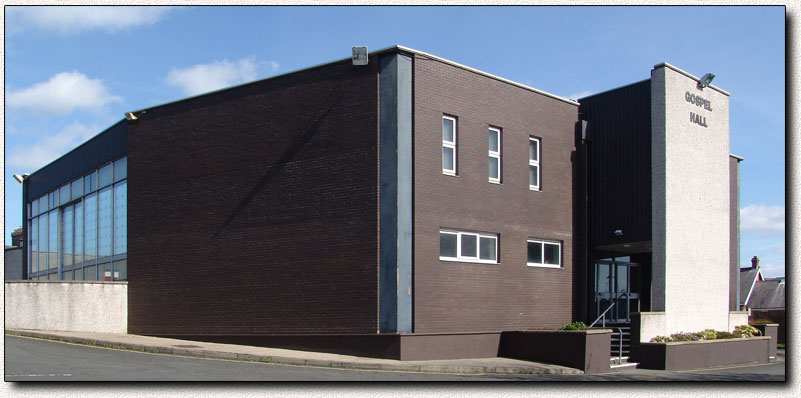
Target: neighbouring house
(12, 257)
(764, 298)
(350, 203)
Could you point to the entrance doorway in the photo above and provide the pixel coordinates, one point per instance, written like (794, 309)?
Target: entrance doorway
(617, 285)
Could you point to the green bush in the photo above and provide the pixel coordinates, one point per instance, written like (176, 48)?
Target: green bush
(746, 331)
(726, 335)
(708, 334)
(578, 325)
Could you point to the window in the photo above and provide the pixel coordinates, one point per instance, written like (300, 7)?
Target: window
(33, 258)
(120, 169)
(42, 243)
(104, 223)
(90, 227)
(468, 246)
(494, 155)
(64, 194)
(77, 189)
(120, 217)
(67, 229)
(534, 163)
(78, 233)
(52, 239)
(104, 176)
(89, 183)
(448, 145)
(543, 253)
(52, 200)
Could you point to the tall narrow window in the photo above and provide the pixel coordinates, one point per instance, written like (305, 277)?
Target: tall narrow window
(448, 145)
(67, 229)
(494, 155)
(52, 239)
(534, 163)
(33, 259)
(120, 218)
(43, 242)
(104, 221)
(90, 227)
(78, 233)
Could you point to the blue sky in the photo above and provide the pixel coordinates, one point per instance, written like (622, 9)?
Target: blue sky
(72, 72)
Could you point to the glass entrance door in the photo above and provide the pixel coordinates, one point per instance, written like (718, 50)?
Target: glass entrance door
(616, 282)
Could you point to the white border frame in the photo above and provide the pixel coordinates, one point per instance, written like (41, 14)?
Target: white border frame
(477, 259)
(544, 242)
(494, 154)
(452, 145)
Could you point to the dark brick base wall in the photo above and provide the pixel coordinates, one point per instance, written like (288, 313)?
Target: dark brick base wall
(701, 354)
(254, 210)
(405, 347)
(586, 350)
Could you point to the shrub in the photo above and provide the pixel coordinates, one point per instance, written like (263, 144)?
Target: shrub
(742, 331)
(746, 331)
(708, 334)
(578, 325)
(727, 335)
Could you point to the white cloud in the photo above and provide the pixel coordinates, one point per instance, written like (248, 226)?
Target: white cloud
(216, 75)
(62, 94)
(73, 19)
(31, 158)
(771, 270)
(762, 220)
(585, 93)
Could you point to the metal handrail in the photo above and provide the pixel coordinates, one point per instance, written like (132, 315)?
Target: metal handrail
(602, 315)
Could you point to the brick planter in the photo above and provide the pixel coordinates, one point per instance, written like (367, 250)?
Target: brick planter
(702, 354)
(587, 350)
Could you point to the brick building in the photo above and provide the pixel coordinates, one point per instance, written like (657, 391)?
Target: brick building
(344, 203)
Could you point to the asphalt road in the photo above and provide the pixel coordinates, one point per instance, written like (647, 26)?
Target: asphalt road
(40, 360)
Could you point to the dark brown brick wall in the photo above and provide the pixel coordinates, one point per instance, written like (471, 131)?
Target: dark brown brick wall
(254, 210)
(456, 296)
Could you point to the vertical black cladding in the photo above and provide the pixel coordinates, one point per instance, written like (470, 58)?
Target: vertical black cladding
(619, 164)
(102, 148)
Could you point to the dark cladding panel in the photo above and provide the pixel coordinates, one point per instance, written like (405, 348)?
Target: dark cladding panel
(104, 147)
(619, 164)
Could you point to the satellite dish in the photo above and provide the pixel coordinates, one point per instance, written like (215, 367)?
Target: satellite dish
(359, 55)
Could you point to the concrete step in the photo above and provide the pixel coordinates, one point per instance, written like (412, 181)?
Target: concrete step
(621, 362)
(624, 365)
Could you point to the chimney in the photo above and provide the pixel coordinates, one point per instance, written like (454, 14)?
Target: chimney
(755, 262)
(16, 237)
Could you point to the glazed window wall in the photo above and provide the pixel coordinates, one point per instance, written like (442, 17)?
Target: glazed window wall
(79, 231)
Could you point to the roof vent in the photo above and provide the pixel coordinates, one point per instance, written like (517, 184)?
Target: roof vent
(359, 55)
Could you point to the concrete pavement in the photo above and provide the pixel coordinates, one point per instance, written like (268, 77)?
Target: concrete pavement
(292, 357)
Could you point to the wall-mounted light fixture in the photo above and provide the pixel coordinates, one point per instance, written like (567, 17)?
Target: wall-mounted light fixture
(359, 55)
(21, 178)
(705, 80)
(618, 232)
(130, 116)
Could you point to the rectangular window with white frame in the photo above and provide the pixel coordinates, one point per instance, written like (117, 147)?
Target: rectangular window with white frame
(448, 145)
(534, 163)
(544, 253)
(494, 155)
(464, 246)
